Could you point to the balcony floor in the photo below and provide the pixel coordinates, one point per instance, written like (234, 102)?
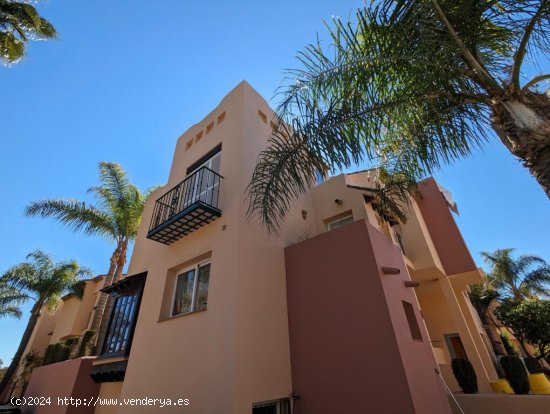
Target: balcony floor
(187, 221)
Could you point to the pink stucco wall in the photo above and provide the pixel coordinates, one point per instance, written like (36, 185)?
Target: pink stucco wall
(351, 347)
(449, 244)
(64, 379)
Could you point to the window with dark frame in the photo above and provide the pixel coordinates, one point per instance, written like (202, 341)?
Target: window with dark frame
(273, 407)
(126, 295)
(413, 322)
(120, 324)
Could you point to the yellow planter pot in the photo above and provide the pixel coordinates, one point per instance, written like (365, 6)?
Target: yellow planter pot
(502, 386)
(539, 384)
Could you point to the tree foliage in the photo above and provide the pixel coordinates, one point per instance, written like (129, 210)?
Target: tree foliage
(116, 216)
(43, 281)
(515, 373)
(19, 23)
(465, 375)
(529, 321)
(482, 295)
(408, 86)
(524, 277)
(10, 299)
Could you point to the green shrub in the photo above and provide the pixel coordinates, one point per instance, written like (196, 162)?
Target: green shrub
(86, 344)
(510, 349)
(56, 353)
(515, 373)
(533, 365)
(465, 375)
(31, 360)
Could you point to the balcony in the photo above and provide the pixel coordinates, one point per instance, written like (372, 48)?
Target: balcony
(187, 207)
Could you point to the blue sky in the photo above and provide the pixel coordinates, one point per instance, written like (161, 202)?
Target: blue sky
(127, 77)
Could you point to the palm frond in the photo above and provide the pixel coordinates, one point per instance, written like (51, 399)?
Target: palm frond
(10, 311)
(367, 97)
(520, 278)
(76, 215)
(20, 22)
(10, 299)
(42, 279)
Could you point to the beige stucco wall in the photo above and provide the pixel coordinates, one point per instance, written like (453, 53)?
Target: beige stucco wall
(502, 404)
(108, 393)
(41, 335)
(74, 314)
(236, 352)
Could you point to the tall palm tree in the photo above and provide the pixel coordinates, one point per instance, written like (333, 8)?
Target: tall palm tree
(43, 281)
(10, 299)
(116, 216)
(518, 279)
(19, 22)
(410, 86)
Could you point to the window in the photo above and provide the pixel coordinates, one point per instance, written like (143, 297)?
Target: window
(339, 222)
(203, 178)
(411, 319)
(126, 294)
(274, 407)
(191, 293)
(120, 324)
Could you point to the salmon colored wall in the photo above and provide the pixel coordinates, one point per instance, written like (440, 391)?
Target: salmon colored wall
(64, 379)
(40, 337)
(217, 358)
(109, 391)
(345, 350)
(417, 356)
(418, 244)
(451, 249)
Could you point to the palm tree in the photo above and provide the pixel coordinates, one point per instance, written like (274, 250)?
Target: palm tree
(10, 299)
(117, 217)
(518, 279)
(43, 281)
(409, 86)
(483, 298)
(19, 22)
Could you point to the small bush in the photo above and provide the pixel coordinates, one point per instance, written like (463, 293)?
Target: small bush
(510, 349)
(86, 344)
(56, 353)
(31, 360)
(533, 365)
(465, 375)
(515, 373)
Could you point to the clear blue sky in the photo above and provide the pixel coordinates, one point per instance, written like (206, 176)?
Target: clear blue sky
(127, 77)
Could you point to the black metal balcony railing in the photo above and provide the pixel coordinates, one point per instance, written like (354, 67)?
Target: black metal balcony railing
(188, 206)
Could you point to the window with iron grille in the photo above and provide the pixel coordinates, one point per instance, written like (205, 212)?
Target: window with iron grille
(272, 407)
(126, 297)
(121, 324)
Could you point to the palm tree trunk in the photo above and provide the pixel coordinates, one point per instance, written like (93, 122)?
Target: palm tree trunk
(523, 126)
(8, 377)
(492, 329)
(102, 300)
(119, 263)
